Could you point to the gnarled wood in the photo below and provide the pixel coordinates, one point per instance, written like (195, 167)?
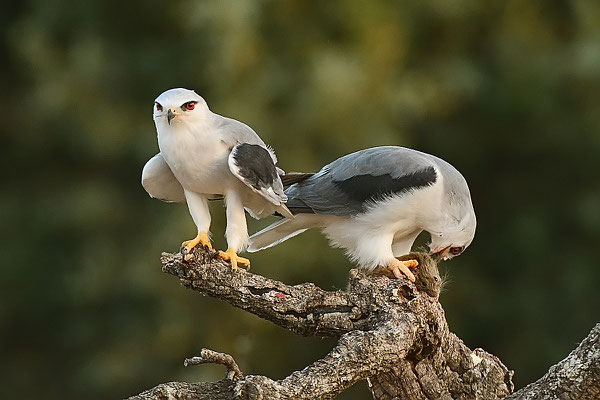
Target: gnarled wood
(393, 333)
(575, 377)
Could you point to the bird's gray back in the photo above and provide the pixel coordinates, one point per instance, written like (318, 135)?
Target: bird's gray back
(349, 184)
(234, 132)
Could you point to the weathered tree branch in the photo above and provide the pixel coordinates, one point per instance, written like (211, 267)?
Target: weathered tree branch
(304, 309)
(392, 333)
(575, 377)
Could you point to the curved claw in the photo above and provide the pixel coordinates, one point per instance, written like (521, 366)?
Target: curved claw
(201, 238)
(231, 256)
(402, 267)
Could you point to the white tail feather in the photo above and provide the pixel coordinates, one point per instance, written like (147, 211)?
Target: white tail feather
(274, 234)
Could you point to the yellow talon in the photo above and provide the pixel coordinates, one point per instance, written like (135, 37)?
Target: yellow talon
(201, 238)
(231, 256)
(402, 267)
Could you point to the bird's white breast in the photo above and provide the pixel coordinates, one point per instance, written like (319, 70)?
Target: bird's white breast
(197, 156)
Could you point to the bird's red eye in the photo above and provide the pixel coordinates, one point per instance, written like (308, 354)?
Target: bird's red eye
(158, 107)
(455, 250)
(189, 105)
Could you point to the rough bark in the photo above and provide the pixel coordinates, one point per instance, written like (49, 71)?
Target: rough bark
(575, 377)
(393, 333)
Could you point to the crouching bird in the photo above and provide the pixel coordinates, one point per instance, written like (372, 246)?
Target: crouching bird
(375, 202)
(205, 156)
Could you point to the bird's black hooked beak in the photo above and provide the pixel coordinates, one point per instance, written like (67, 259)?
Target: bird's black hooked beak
(170, 116)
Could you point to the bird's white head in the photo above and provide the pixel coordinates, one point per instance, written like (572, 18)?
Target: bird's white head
(454, 237)
(177, 107)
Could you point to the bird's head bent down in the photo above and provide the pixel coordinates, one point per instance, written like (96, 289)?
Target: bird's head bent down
(179, 107)
(456, 236)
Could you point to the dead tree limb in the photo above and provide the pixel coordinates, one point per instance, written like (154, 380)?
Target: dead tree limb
(212, 357)
(575, 377)
(392, 333)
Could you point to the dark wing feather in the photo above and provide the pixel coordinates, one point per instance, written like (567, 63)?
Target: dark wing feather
(253, 165)
(294, 177)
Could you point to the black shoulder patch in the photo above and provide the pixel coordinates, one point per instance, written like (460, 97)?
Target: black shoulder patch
(364, 188)
(255, 165)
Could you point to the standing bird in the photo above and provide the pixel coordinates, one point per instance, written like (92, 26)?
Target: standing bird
(205, 156)
(375, 202)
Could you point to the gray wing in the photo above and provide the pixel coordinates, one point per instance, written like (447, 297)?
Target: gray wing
(159, 181)
(351, 183)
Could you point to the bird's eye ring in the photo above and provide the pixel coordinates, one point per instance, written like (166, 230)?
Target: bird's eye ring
(189, 105)
(455, 250)
(158, 106)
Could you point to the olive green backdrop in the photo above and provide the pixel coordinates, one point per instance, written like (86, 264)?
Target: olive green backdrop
(507, 91)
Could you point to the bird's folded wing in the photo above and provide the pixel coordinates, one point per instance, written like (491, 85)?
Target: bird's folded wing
(351, 183)
(159, 181)
(253, 165)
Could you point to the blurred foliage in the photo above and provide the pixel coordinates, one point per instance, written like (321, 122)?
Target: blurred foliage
(507, 91)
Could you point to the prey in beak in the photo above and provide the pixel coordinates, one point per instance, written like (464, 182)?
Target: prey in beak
(170, 115)
(440, 254)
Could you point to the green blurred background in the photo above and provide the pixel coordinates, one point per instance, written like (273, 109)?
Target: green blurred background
(507, 91)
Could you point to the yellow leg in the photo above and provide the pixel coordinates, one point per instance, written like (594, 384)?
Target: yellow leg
(231, 256)
(402, 267)
(201, 238)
